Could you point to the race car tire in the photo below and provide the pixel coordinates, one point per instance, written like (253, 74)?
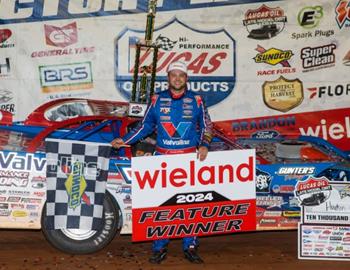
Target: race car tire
(84, 241)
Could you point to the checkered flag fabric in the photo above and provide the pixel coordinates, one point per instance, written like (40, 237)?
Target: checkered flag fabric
(165, 43)
(76, 175)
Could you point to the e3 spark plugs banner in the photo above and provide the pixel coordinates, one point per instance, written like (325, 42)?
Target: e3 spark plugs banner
(178, 196)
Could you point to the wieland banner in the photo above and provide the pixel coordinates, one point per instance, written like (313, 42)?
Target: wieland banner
(178, 196)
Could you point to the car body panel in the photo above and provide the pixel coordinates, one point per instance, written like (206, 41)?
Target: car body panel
(281, 162)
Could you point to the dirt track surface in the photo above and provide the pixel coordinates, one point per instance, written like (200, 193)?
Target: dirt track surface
(264, 250)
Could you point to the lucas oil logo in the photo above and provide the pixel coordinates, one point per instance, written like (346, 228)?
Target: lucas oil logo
(210, 57)
(264, 22)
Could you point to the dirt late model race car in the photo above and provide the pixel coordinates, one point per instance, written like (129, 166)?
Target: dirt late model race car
(280, 163)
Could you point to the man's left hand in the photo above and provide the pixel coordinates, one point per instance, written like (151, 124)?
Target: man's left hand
(202, 153)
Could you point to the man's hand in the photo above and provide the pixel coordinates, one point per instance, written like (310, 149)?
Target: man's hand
(202, 153)
(118, 142)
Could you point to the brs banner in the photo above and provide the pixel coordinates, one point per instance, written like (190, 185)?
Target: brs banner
(177, 196)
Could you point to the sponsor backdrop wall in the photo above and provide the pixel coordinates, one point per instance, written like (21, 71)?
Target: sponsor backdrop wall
(273, 61)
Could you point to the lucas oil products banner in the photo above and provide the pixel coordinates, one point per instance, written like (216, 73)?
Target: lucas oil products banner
(176, 197)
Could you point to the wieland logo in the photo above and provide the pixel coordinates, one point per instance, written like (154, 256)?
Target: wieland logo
(76, 186)
(206, 175)
(210, 56)
(329, 131)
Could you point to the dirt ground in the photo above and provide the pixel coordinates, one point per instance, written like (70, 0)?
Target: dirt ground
(263, 250)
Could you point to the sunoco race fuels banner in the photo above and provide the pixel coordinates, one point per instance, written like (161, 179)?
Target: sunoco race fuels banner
(177, 196)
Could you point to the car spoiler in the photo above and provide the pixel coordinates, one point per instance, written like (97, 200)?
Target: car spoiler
(5, 118)
(325, 144)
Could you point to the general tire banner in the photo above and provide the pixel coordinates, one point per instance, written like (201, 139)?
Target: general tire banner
(76, 183)
(177, 196)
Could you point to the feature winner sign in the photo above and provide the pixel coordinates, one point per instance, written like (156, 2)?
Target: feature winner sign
(177, 196)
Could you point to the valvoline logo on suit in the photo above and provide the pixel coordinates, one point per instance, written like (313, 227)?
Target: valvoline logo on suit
(209, 55)
(176, 132)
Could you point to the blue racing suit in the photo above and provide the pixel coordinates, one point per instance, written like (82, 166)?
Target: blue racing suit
(182, 124)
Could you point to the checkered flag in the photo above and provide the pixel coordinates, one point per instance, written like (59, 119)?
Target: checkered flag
(76, 175)
(165, 43)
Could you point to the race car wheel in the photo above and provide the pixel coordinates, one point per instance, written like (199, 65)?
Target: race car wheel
(75, 241)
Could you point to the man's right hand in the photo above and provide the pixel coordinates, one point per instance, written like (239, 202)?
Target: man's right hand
(117, 143)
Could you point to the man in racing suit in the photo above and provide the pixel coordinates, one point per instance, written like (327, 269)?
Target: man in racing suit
(183, 125)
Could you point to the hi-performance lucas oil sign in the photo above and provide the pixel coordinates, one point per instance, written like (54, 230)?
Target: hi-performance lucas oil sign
(177, 196)
(209, 55)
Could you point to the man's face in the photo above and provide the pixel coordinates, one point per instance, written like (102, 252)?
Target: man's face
(177, 80)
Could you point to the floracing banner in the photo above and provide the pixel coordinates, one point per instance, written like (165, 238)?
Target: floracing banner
(177, 196)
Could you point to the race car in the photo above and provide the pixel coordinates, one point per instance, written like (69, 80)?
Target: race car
(314, 199)
(281, 163)
(264, 32)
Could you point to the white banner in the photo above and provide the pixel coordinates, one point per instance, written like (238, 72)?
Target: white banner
(322, 242)
(291, 56)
